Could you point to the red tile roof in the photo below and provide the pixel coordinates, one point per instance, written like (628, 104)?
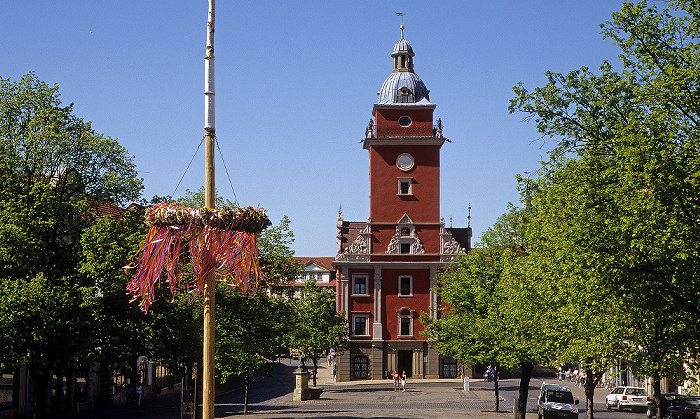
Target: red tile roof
(322, 261)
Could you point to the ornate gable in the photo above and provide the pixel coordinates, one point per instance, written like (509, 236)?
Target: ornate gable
(405, 241)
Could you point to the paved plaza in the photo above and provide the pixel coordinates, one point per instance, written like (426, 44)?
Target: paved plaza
(272, 398)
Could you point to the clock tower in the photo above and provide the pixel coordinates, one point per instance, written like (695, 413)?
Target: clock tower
(386, 267)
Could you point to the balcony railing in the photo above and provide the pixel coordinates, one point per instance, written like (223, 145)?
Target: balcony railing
(389, 132)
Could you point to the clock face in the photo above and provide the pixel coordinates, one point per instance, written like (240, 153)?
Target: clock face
(404, 162)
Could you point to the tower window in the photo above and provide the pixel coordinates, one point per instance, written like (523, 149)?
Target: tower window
(405, 323)
(405, 286)
(405, 326)
(359, 285)
(405, 121)
(405, 186)
(360, 325)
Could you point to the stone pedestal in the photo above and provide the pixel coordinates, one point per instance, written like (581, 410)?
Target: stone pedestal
(301, 391)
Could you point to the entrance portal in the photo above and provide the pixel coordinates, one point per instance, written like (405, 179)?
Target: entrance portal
(405, 362)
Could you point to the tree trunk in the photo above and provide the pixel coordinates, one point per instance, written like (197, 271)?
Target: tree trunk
(41, 391)
(495, 387)
(245, 398)
(592, 379)
(315, 360)
(59, 388)
(656, 392)
(525, 376)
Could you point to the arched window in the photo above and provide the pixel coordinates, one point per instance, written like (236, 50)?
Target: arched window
(360, 365)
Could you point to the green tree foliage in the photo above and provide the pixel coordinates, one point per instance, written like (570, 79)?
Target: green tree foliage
(625, 172)
(250, 329)
(276, 256)
(47, 325)
(496, 305)
(317, 326)
(55, 170)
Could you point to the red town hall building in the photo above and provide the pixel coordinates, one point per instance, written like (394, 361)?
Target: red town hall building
(386, 266)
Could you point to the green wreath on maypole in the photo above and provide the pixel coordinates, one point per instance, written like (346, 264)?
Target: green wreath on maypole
(223, 242)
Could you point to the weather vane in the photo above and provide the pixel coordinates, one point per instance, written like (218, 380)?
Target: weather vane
(401, 14)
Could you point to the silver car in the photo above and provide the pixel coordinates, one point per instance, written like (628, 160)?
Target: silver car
(556, 401)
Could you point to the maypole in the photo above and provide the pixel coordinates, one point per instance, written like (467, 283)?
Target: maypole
(219, 244)
(208, 382)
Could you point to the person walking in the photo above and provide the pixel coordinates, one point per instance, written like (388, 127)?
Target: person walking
(139, 393)
(396, 380)
(403, 381)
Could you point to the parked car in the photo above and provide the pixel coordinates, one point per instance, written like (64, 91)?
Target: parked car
(661, 411)
(556, 401)
(626, 397)
(685, 407)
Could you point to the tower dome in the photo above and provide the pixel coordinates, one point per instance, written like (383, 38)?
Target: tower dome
(402, 47)
(403, 85)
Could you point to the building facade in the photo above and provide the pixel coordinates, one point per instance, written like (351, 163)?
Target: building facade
(386, 266)
(318, 270)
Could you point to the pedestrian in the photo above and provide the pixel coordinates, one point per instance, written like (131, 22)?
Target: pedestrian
(403, 381)
(396, 380)
(139, 392)
(489, 375)
(129, 395)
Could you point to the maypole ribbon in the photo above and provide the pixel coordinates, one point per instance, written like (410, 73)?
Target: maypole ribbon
(223, 242)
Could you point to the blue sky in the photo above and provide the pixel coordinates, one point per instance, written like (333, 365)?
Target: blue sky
(295, 86)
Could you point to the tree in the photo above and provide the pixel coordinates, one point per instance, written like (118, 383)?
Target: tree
(317, 326)
(250, 329)
(168, 334)
(588, 322)
(628, 163)
(55, 170)
(49, 328)
(497, 308)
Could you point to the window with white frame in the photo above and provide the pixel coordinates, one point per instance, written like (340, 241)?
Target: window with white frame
(359, 285)
(405, 322)
(405, 186)
(360, 324)
(405, 286)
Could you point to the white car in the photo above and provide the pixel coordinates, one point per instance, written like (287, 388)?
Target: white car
(626, 397)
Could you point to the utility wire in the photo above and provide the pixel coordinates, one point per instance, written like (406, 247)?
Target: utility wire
(235, 198)
(188, 167)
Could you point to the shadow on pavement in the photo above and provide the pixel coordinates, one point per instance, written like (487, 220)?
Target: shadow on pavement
(261, 390)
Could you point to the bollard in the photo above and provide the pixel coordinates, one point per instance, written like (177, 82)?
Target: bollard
(466, 383)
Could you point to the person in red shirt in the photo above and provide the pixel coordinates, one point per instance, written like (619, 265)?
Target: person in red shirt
(396, 380)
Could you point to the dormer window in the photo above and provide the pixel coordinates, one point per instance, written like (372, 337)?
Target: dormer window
(405, 231)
